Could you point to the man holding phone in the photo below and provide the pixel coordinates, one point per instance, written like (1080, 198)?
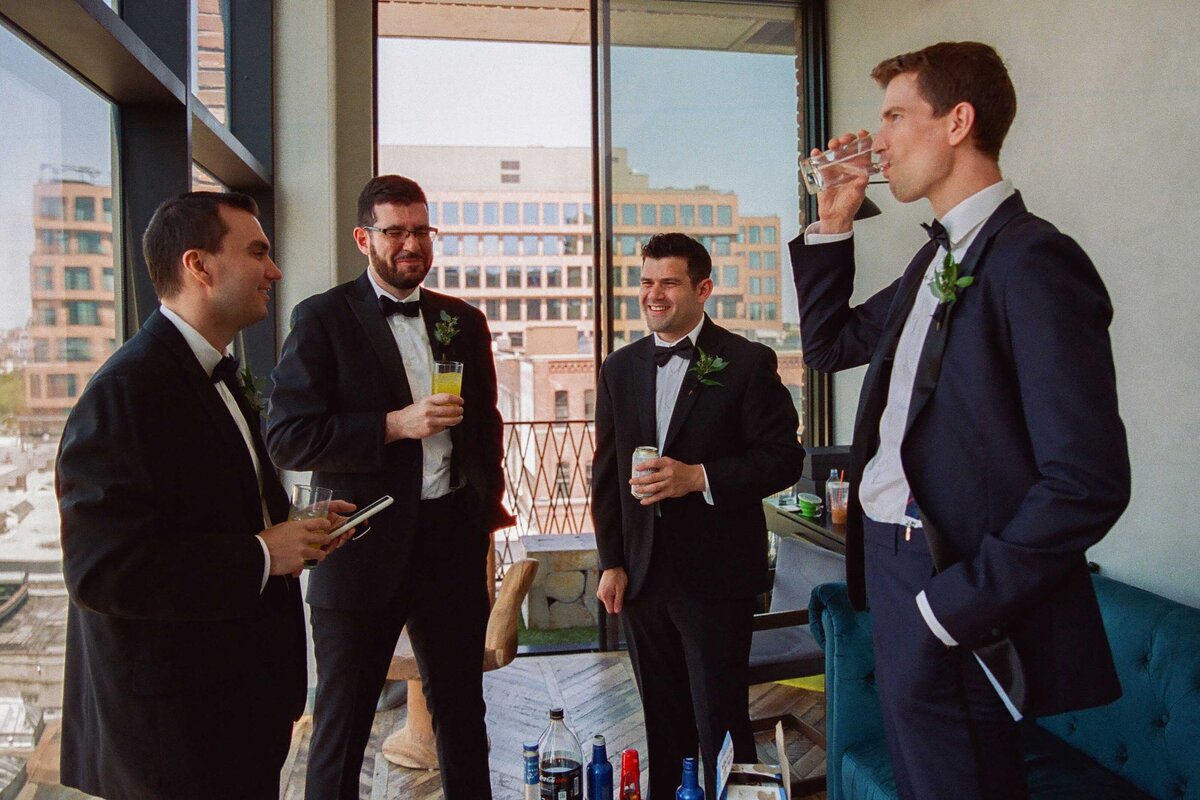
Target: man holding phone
(353, 402)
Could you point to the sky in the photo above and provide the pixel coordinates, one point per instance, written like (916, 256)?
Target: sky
(46, 117)
(687, 118)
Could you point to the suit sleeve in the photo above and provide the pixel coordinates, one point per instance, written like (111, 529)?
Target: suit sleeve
(1057, 313)
(606, 481)
(834, 335)
(771, 457)
(490, 425)
(306, 429)
(126, 551)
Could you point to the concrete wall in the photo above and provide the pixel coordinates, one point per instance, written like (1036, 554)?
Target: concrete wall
(1103, 146)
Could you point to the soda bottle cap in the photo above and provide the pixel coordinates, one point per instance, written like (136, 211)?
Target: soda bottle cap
(530, 745)
(598, 739)
(556, 713)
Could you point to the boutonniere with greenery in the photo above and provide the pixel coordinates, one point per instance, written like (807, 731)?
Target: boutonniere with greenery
(945, 286)
(252, 388)
(445, 329)
(706, 365)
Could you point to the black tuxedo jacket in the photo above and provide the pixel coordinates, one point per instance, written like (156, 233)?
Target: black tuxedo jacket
(339, 374)
(160, 505)
(743, 432)
(1013, 449)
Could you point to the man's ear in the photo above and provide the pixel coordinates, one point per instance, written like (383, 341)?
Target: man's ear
(363, 240)
(194, 267)
(704, 289)
(960, 122)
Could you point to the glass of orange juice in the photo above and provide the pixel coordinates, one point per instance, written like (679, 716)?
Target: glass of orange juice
(447, 377)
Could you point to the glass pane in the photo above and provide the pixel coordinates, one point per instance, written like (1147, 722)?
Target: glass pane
(507, 126)
(204, 181)
(710, 180)
(210, 43)
(57, 316)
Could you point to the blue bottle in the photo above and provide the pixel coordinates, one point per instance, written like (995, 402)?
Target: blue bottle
(532, 781)
(599, 772)
(689, 789)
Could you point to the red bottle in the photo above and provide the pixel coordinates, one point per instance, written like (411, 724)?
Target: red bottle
(631, 776)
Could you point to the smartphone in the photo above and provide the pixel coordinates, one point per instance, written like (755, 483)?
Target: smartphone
(362, 515)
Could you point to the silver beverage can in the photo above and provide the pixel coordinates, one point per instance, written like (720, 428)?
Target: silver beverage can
(641, 454)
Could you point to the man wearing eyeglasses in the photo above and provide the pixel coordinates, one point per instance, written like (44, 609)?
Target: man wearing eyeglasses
(352, 402)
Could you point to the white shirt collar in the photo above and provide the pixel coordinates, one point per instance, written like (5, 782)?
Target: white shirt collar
(969, 214)
(205, 353)
(382, 292)
(694, 335)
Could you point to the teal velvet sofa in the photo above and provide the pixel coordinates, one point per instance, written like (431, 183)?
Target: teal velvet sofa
(1146, 744)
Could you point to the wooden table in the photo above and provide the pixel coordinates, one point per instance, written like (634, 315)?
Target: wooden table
(818, 530)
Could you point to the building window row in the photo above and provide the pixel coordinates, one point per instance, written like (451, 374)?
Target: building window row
(667, 216)
(509, 277)
(88, 242)
(509, 214)
(513, 245)
(757, 234)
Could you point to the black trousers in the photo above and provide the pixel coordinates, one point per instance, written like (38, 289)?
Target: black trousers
(690, 657)
(445, 605)
(948, 732)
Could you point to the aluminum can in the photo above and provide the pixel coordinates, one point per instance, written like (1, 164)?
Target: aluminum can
(532, 780)
(599, 772)
(641, 454)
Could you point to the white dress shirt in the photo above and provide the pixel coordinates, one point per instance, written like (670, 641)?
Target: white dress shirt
(413, 340)
(884, 491)
(209, 357)
(666, 392)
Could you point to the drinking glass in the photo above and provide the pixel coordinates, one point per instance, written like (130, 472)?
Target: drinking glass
(447, 377)
(839, 165)
(837, 498)
(310, 502)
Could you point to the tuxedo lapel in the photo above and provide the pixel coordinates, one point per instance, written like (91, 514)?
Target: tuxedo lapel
(879, 371)
(645, 385)
(431, 314)
(365, 306)
(929, 366)
(710, 343)
(207, 397)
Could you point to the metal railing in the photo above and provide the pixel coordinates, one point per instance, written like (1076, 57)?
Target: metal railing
(547, 481)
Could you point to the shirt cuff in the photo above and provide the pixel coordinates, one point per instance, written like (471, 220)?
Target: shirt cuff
(813, 235)
(266, 562)
(932, 621)
(707, 489)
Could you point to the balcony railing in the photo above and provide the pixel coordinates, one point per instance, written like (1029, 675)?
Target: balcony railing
(547, 481)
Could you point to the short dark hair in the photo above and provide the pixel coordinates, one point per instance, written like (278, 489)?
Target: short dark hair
(387, 189)
(949, 73)
(191, 221)
(663, 245)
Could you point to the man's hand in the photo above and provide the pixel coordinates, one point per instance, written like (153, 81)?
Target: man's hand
(611, 589)
(665, 477)
(291, 543)
(424, 418)
(339, 512)
(837, 206)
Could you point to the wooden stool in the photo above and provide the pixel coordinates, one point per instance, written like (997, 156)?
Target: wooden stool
(414, 746)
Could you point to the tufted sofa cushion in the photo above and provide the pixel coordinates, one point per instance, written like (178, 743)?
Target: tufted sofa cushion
(1151, 735)
(1146, 744)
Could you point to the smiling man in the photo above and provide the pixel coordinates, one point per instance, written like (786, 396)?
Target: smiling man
(683, 563)
(185, 664)
(352, 402)
(988, 453)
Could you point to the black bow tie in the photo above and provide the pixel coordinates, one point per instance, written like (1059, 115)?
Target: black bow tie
(937, 232)
(682, 348)
(388, 306)
(225, 370)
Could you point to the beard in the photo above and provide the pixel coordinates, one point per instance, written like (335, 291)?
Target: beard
(403, 279)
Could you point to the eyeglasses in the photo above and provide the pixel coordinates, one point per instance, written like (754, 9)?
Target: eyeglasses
(401, 234)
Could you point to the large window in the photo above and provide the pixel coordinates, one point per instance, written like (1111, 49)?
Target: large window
(87, 158)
